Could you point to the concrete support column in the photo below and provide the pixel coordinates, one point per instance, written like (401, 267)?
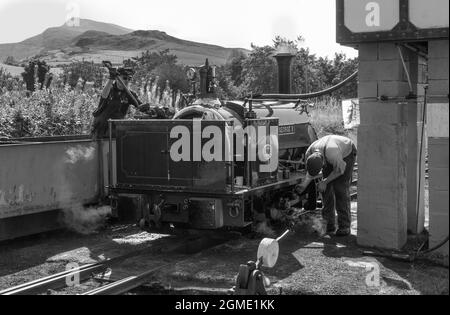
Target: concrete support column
(438, 142)
(383, 147)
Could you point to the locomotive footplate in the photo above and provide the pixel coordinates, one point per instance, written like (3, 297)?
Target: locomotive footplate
(200, 209)
(294, 179)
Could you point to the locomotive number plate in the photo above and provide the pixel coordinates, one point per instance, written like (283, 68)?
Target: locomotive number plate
(286, 130)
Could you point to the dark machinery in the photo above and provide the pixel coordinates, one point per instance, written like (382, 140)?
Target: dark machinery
(250, 280)
(215, 164)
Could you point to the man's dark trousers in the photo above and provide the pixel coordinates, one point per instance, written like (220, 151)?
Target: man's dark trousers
(338, 193)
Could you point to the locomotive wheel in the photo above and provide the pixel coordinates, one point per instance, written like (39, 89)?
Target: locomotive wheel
(142, 224)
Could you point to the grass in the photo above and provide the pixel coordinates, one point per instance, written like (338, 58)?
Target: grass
(326, 117)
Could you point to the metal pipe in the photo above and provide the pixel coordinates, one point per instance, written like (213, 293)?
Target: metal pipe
(422, 140)
(284, 62)
(274, 100)
(411, 90)
(309, 95)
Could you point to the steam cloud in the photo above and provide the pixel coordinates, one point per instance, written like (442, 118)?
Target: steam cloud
(80, 153)
(264, 229)
(85, 220)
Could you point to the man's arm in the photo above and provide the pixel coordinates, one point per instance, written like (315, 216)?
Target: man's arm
(133, 98)
(300, 189)
(336, 159)
(338, 170)
(107, 89)
(334, 174)
(103, 98)
(308, 179)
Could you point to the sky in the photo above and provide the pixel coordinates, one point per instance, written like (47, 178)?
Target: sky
(228, 23)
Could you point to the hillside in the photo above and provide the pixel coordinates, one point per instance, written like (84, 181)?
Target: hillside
(56, 38)
(99, 41)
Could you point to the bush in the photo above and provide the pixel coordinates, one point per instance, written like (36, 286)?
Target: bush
(7, 81)
(61, 109)
(10, 61)
(326, 117)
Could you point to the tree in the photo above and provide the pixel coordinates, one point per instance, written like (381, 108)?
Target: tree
(335, 71)
(36, 74)
(234, 66)
(226, 88)
(7, 81)
(87, 71)
(259, 71)
(173, 73)
(160, 64)
(149, 61)
(10, 61)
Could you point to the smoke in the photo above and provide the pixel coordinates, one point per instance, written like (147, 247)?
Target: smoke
(318, 225)
(264, 229)
(311, 224)
(80, 153)
(85, 220)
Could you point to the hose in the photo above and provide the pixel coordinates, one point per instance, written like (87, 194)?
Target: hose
(308, 95)
(433, 248)
(407, 257)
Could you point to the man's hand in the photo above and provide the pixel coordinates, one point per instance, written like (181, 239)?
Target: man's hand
(322, 186)
(112, 73)
(299, 189)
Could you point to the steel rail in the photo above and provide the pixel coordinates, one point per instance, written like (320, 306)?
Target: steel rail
(58, 280)
(125, 285)
(132, 282)
(54, 281)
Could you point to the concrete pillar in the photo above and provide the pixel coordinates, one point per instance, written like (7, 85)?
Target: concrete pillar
(438, 142)
(382, 148)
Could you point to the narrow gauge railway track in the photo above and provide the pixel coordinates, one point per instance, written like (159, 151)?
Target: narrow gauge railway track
(129, 283)
(177, 245)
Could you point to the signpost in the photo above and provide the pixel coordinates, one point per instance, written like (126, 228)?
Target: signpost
(360, 21)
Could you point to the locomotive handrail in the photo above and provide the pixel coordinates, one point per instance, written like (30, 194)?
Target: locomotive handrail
(292, 100)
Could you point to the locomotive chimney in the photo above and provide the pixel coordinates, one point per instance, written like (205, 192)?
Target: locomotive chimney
(284, 61)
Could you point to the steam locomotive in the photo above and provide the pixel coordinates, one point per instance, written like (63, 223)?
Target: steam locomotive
(216, 164)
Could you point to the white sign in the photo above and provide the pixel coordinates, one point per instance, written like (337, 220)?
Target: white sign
(429, 14)
(362, 16)
(350, 113)
(437, 120)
